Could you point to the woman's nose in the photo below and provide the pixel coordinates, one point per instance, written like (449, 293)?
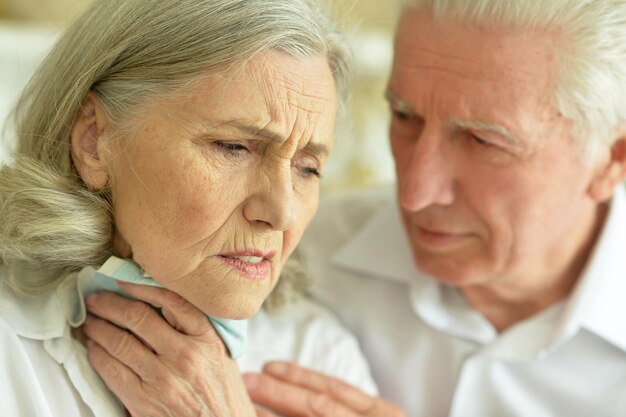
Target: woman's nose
(272, 202)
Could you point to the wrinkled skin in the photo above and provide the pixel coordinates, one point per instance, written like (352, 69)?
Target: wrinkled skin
(297, 392)
(496, 197)
(211, 193)
(496, 194)
(171, 366)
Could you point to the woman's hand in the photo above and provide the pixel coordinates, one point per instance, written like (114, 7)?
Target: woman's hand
(297, 392)
(170, 365)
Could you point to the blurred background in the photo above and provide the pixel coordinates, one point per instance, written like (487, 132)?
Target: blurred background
(28, 29)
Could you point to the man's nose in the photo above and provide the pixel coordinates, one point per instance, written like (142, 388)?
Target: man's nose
(272, 202)
(427, 176)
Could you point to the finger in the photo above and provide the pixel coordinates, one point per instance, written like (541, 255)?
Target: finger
(136, 316)
(263, 413)
(293, 401)
(353, 397)
(296, 375)
(180, 313)
(361, 403)
(323, 405)
(121, 381)
(341, 392)
(121, 345)
(118, 377)
(284, 398)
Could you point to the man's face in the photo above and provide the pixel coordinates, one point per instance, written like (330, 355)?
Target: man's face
(491, 184)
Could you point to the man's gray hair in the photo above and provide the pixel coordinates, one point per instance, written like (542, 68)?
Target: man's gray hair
(126, 52)
(590, 84)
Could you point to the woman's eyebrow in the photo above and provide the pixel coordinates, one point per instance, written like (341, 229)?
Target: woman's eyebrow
(313, 148)
(255, 130)
(316, 149)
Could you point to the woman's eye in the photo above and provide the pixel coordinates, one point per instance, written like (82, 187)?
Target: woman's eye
(231, 147)
(306, 166)
(310, 172)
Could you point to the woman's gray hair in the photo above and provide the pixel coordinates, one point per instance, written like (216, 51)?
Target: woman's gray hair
(590, 84)
(127, 51)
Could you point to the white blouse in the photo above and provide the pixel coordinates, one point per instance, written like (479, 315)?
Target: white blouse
(45, 372)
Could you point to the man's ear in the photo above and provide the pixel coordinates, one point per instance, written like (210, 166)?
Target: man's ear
(89, 128)
(611, 174)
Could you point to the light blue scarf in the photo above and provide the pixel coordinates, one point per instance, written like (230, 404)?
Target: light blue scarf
(232, 332)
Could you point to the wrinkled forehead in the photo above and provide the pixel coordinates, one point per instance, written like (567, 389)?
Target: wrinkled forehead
(478, 72)
(505, 51)
(291, 97)
(303, 83)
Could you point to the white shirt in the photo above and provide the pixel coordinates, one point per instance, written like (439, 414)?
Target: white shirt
(45, 372)
(433, 355)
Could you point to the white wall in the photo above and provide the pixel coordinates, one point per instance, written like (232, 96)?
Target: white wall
(21, 49)
(361, 154)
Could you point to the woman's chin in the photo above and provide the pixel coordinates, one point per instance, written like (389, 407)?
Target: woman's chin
(239, 310)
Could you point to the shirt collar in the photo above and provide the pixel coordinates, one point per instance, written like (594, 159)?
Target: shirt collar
(597, 303)
(47, 316)
(380, 248)
(36, 318)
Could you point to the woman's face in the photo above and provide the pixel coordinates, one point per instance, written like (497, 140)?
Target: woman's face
(212, 193)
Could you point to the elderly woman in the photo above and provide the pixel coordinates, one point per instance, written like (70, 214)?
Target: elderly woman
(180, 143)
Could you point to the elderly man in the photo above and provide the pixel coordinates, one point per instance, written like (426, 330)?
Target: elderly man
(496, 284)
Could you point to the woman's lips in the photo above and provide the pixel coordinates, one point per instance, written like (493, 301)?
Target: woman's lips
(256, 268)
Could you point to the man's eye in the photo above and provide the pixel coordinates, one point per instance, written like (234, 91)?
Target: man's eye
(479, 140)
(231, 147)
(401, 115)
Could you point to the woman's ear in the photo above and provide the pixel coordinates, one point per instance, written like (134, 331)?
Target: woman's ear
(89, 128)
(612, 173)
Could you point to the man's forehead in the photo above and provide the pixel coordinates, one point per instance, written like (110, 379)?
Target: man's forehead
(441, 38)
(488, 71)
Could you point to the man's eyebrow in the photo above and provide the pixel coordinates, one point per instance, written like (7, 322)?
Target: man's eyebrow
(398, 102)
(485, 126)
(315, 149)
(459, 123)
